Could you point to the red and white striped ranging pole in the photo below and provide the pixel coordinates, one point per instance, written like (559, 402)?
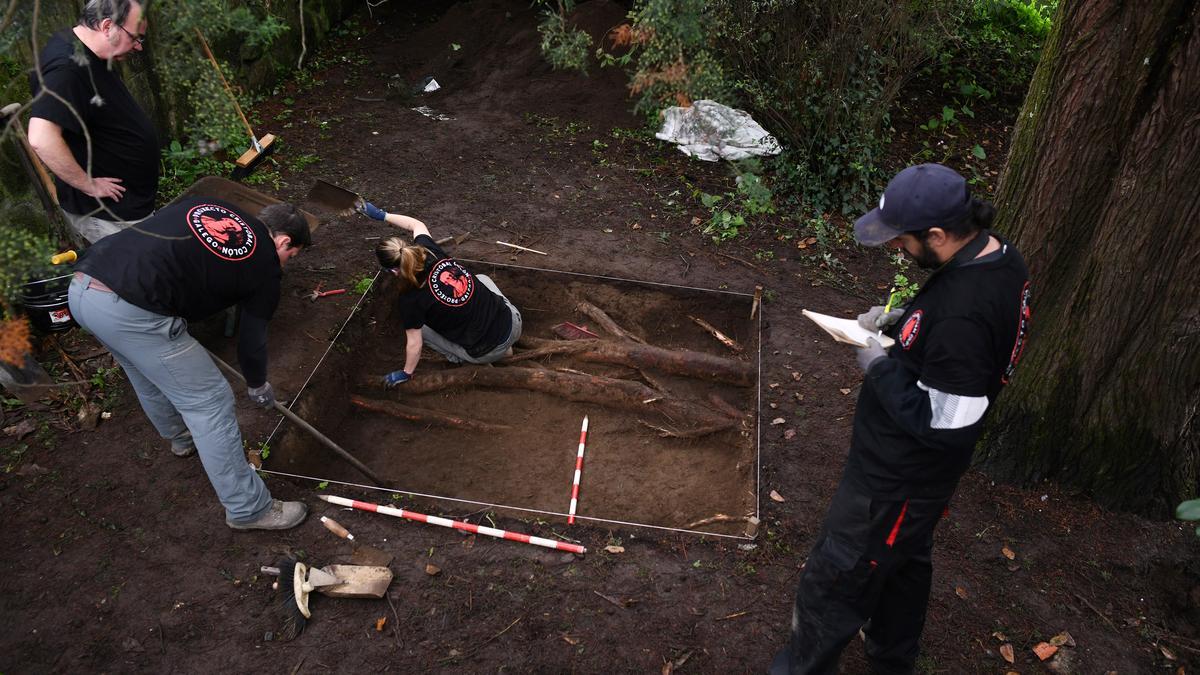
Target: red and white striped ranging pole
(455, 524)
(578, 472)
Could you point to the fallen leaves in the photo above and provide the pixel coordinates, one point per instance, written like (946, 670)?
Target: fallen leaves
(789, 434)
(432, 570)
(612, 548)
(1006, 650)
(775, 496)
(844, 391)
(1008, 553)
(21, 430)
(960, 592)
(380, 623)
(1063, 638)
(1044, 650)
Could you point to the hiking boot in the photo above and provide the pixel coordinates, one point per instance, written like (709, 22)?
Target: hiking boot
(282, 515)
(183, 446)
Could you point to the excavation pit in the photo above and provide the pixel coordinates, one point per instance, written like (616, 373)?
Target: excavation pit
(673, 437)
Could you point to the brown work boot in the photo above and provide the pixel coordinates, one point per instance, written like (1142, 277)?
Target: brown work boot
(282, 516)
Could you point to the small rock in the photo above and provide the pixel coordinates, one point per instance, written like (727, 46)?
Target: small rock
(432, 570)
(21, 430)
(89, 416)
(32, 470)
(777, 421)
(131, 645)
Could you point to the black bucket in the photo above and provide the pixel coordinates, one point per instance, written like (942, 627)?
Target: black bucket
(45, 301)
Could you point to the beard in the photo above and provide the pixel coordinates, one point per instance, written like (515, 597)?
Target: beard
(925, 258)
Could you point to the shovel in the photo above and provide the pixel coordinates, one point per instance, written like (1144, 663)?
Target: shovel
(332, 198)
(336, 581)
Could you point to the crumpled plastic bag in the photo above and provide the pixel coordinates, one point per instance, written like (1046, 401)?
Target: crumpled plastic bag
(710, 131)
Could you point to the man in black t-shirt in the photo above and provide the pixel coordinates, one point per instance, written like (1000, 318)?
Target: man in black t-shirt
(137, 289)
(109, 182)
(920, 412)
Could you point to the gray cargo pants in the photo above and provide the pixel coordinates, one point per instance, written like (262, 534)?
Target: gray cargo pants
(179, 387)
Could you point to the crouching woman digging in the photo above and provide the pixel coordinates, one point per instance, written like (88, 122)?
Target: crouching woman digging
(457, 313)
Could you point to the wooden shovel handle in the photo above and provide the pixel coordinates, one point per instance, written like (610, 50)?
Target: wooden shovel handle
(336, 528)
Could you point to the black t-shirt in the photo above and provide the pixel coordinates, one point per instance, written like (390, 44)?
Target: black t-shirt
(453, 303)
(124, 143)
(962, 334)
(193, 259)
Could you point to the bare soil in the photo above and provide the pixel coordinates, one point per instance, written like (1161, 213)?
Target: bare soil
(117, 559)
(643, 465)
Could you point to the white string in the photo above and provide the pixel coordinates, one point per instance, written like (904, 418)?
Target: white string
(505, 506)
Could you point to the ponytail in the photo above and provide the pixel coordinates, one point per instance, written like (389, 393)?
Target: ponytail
(407, 260)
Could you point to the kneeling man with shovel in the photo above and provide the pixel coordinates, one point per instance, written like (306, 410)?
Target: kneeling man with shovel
(137, 289)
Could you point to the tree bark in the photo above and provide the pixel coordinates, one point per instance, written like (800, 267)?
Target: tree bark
(605, 391)
(643, 356)
(422, 416)
(1101, 194)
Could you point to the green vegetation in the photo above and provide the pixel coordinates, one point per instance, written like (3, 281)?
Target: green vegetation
(564, 47)
(828, 89)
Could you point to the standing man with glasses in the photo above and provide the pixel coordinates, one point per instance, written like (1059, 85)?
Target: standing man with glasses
(88, 129)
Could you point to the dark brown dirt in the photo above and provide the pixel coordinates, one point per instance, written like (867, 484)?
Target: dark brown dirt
(116, 557)
(633, 474)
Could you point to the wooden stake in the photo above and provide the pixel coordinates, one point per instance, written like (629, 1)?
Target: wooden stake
(758, 291)
(521, 248)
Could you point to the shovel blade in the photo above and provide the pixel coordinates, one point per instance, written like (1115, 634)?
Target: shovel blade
(358, 581)
(329, 197)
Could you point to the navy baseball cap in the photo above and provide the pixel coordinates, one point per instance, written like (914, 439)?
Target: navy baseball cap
(918, 198)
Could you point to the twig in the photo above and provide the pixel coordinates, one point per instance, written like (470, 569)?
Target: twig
(606, 322)
(663, 432)
(733, 616)
(1098, 612)
(721, 337)
(66, 357)
(719, 518)
(520, 248)
(369, 99)
(611, 599)
(297, 667)
(395, 628)
(687, 264)
(758, 291)
(744, 262)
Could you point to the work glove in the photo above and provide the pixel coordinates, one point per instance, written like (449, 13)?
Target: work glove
(870, 354)
(395, 378)
(875, 319)
(371, 211)
(263, 396)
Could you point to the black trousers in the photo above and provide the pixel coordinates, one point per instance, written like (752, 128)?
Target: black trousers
(869, 569)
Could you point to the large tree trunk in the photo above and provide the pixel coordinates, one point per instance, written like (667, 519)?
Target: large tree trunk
(1100, 194)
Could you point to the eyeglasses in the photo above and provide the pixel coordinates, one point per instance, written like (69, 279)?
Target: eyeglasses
(141, 40)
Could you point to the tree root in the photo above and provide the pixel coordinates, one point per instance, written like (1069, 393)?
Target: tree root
(423, 416)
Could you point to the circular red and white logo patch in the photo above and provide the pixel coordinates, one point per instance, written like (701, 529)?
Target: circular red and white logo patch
(912, 327)
(222, 231)
(450, 283)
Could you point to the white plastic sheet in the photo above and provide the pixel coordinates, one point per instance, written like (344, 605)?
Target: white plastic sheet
(710, 131)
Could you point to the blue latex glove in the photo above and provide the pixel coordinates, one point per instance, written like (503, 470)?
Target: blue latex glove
(870, 354)
(371, 211)
(263, 396)
(396, 377)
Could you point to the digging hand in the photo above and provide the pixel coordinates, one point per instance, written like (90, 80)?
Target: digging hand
(876, 319)
(395, 378)
(371, 211)
(263, 396)
(870, 354)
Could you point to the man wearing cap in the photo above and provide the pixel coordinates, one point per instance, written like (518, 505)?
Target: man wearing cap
(919, 414)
